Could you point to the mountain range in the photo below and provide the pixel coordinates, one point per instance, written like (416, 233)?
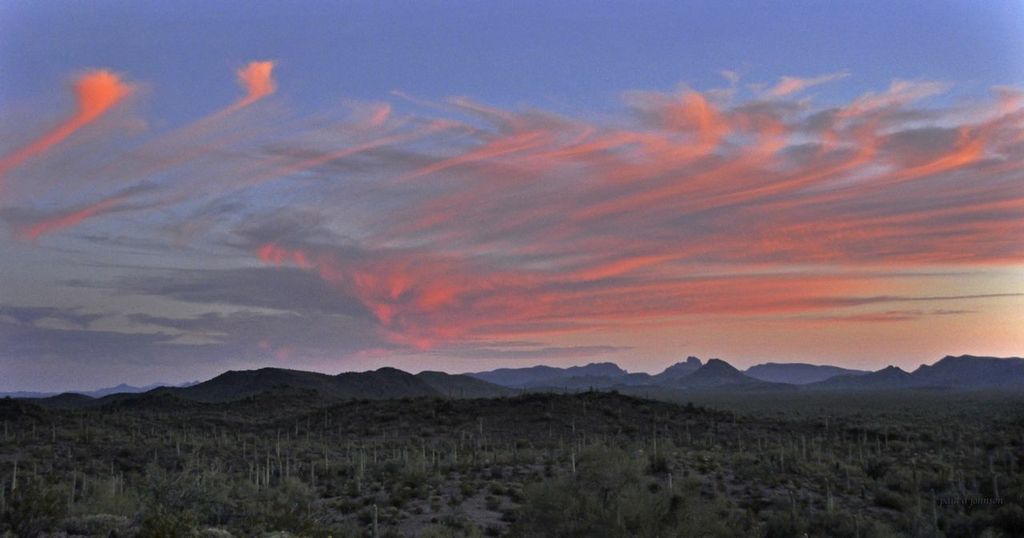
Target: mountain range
(122, 388)
(384, 383)
(965, 372)
(797, 373)
(691, 373)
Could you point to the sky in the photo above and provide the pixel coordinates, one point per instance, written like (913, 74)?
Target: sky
(192, 187)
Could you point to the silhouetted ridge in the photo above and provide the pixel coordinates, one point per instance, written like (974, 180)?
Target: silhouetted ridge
(384, 383)
(797, 373)
(718, 374)
(890, 377)
(550, 376)
(461, 386)
(66, 400)
(719, 366)
(968, 371)
(678, 370)
(965, 372)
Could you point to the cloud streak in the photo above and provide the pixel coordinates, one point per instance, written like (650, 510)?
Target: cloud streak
(257, 80)
(790, 85)
(457, 227)
(96, 92)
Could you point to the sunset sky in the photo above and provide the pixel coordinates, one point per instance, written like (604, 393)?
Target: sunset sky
(191, 187)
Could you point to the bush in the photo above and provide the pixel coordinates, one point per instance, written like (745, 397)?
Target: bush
(162, 523)
(891, 500)
(33, 508)
(1010, 518)
(609, 496)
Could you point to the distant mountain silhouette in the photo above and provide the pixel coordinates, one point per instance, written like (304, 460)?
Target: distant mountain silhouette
(98, 393)
(970, 372)
(607, 382)
(550, 376)
(66, 400)
(131, 389)
(601, 375)
(797, 373)
(965, 372)
(385, 383)
(678, 370)
(690, 374)
(26, 394)
(377, 384)
(718, 375)
(462, 386)
(888, 378)
(957, 373)
(607, 369)
(235, 385)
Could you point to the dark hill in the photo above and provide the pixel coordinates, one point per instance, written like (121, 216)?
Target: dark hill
(67, 400)
(719, 375)
(385, 383)
(605, 382)
(678, 370)
(235, 385)
(970, 372)
(548, 376)
(797, 373)
(888, 378)
(462, 386)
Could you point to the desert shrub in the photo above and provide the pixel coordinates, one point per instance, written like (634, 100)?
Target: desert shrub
(287, 507)
(33, 508)
(1010, 518)
(103, 500)
(96, 525)
(159, 522)
(658, 464)
(878, 467)
(891, 500)
(609, 496)
(784, 525)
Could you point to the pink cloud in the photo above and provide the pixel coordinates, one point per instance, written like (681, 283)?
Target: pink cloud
(790, 85)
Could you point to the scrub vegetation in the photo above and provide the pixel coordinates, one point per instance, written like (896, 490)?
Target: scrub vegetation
(536, 464)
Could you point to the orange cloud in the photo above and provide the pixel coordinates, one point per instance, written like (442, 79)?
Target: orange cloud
(900, 93)
(96, 92)
(421, 301)
(258, 82)
(518, 224)
(791, 85)
(99, 91)
(969, 149)
(690, 113)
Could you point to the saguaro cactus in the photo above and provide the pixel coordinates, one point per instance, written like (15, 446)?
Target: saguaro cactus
(935, 511)
(828, 497)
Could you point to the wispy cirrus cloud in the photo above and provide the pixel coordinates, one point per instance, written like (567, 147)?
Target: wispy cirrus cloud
(256, 78)
(452, 227)
(95, 93)
(790, 85)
